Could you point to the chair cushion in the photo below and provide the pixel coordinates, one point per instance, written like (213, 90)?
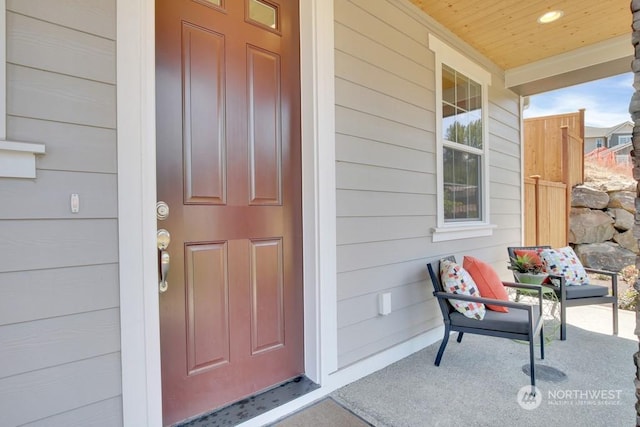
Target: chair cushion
(564, 262)
(586, 291)
(456, 280)
(487, 280)
(516, 321)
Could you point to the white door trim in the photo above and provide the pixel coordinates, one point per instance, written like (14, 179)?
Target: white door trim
(140, 339)
(139, 321)
(317, 76)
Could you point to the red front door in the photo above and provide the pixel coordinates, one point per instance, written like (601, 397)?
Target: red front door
(228, 150)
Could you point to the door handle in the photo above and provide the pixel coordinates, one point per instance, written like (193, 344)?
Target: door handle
(165, 263)
(163, 239)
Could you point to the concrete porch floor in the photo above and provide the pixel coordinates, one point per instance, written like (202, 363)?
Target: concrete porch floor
(478, 381)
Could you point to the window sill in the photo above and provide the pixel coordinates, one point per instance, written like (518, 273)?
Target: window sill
(18, 159)
(442, 234)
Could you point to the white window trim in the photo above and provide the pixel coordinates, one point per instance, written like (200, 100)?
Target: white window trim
(17, 159)
(459, 230)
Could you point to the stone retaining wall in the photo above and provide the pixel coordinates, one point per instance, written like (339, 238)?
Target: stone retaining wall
(601, 225)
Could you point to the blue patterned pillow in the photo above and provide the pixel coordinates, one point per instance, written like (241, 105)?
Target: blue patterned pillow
(456, 280)
(564, 262)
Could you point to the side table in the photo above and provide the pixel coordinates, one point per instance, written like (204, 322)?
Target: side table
(550, 309)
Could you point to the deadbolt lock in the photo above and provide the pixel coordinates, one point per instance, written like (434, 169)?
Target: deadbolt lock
(162, 210)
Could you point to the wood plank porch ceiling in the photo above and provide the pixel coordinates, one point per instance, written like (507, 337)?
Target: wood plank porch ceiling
(507, 31)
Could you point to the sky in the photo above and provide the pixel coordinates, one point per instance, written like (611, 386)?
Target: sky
(606, 101)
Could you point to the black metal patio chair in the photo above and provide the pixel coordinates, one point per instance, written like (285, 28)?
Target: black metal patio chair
(522, 322)
(573, 296)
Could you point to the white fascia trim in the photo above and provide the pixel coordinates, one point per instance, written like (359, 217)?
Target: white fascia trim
(139, 311)
(445, 34)
(606, 51)
(442, 234)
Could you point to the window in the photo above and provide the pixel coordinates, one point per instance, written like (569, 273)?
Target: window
(17, 159)
(462, 145)
(624, 139)
(263, 13)
(214, 4)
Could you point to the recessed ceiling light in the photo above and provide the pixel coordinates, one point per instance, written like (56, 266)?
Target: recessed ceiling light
(551, 16)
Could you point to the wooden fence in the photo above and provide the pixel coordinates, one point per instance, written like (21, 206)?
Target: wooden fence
(545, 205)
(553, 165)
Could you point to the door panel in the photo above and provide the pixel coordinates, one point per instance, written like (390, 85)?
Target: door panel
(228, 150)
(204, 135)
(207, 311)
(264, 126)
(267, 295)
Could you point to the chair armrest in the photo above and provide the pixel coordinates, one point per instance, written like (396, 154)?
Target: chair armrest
(612, 275)
(562, 286)
(598, 271)
(491, 301)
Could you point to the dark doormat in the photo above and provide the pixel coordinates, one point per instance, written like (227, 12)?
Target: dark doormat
(324, 413)
(253, 406)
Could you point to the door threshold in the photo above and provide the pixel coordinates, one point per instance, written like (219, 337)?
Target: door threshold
(255, 405)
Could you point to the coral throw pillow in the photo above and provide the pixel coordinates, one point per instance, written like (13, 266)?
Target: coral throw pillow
(487, 280)
(565, 262)
(533, 254)
(456, 280)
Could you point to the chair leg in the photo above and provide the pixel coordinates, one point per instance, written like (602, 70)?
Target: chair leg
(563, 322)
(443, 345)
(542, 341)
(532, 363)
(460, 336)
(615, 318)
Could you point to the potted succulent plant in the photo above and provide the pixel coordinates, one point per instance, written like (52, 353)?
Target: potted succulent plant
(526, 270)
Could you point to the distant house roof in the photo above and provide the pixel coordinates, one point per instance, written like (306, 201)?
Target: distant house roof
(596, 132)
(619, 147)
